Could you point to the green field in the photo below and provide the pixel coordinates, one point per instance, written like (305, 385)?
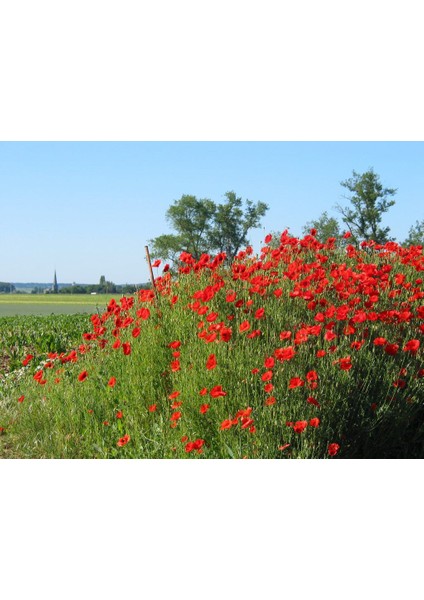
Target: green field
(47, 304)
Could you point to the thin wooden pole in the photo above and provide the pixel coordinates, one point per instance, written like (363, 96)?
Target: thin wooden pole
(150, 268)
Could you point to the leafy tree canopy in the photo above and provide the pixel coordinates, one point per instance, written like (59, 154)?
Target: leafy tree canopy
(326, 227)
(204, 227)
(416, 235)
(369, 200)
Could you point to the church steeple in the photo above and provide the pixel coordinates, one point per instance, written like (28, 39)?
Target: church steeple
(55, 286)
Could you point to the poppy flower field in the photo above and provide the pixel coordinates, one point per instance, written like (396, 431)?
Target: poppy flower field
(305, 350)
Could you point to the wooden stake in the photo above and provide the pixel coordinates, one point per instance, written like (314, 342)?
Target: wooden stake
(150, 268)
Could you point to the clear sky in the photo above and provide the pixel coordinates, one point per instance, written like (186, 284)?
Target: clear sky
(88, 209)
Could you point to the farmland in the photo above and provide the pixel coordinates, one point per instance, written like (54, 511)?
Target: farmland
(305, 351)
(47, 304)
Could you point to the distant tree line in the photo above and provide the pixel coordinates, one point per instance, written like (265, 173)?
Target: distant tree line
(7, 288)
(103, 287)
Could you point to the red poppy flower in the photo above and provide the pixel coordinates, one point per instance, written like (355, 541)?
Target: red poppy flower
(119, 414)
(391, 349)
(196, 445)
(329, 336)
(27, 359)
(311, 376)
(268, 387)
(400, 383)
(345, 363)
(227, 424)
(412, 346)
(253, 334)
(267, 376)
(204, 408)
(136, 332)
(269, 362)
(174, 395)
(174, 345)
(380, 341)
(268, 238)
(333, 449)
(112, 382)
(21, 398)
(246, 422)
(126, 347)
(152, 408)
(211, 362)
(156, 263)
(313, 401)
(212, 317)
(175, 366)
(285, 335)
(217, 392)
(270, 401)
(143, 313)
(82, 376)
(295, 382)
(349, 330)
(260, 313)
(245, 326)
(283, 354)
(225, 334)
(300, 426)
(176, 415)
(38, 375)
(314, 422)
(123, 440)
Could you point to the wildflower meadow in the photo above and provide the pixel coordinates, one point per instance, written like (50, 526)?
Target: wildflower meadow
(305, 350)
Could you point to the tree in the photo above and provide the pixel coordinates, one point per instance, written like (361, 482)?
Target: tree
(204, 227)
(326, 227)
(7, 288)
(191, 219)
(106, 287)
(416, 235)
(231, 225)
(370, 200)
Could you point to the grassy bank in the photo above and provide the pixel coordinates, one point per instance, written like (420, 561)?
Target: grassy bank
(307, 351)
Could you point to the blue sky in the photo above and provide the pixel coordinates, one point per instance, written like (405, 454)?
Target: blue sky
(88, 209)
